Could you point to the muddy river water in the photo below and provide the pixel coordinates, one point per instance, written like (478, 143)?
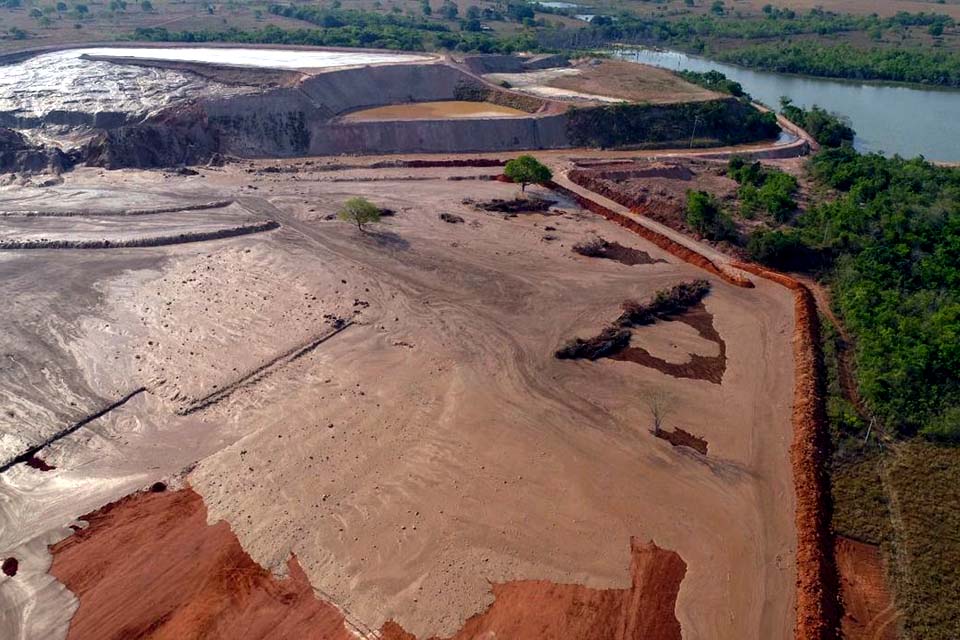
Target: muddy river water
(892, 119)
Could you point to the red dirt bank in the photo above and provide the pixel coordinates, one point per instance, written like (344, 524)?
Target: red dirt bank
(869, 612)
(149, 566)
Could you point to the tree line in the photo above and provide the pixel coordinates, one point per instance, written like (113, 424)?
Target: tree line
(920, 66)
(889, 244)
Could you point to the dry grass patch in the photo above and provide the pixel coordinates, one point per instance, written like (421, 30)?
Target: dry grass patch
(924, 481)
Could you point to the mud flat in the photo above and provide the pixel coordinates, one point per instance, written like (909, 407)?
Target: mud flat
(435, 110)
(431, 471)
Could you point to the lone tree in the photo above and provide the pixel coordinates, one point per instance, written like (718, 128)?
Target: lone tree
(527, 170)
(359, 211)
(660, 404)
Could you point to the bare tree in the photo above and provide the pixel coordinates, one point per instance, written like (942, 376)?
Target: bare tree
(660, 404)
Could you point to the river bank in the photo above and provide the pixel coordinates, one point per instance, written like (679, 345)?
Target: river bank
(883, 114)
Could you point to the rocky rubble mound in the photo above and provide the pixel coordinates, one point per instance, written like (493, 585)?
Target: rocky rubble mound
(19, 155)
(178, 135)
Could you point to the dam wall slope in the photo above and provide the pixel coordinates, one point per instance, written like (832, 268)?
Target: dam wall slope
(305, 118)
(294, 121)
(440, 136)
(350, 89)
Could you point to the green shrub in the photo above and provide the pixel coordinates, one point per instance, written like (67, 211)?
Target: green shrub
(527, 170)
(944, 427)
(705, 215)
(763, 189)
(359, 211)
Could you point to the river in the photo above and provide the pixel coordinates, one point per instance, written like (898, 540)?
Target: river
(899, 119)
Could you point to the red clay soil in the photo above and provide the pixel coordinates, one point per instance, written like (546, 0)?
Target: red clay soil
(662, 241)
(149, 567)
(709, 368)
(549, 611)
(664, 209)
(818, 591)
(869, 613)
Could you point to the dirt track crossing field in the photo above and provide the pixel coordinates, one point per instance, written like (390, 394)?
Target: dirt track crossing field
(434, 448)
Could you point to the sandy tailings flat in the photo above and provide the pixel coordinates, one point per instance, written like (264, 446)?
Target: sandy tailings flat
(436, 110)
(389, 412)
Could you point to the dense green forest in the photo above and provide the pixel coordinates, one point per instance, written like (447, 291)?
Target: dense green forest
(695, 30)
(724, 121)
(715, 81)
(844, 61)
(889, 241)
(776, 24)
(763, 190)
(758, 42)
(341, 28)
(826, 128)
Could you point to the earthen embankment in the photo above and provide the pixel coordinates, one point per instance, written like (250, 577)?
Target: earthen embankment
(818, 609)
(662, 241)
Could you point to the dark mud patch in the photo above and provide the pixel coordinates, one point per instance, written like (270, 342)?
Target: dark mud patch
(515, 206)
(699, 367)
(683, 303)
(10, 567)
(600, 248)
(39, 464)
(680, 438)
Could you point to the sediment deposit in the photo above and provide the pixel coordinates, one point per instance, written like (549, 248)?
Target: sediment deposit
(431, 470)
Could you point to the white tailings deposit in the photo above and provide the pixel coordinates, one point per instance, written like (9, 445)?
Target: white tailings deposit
(260, 58)
(62, 88)
(66, 88)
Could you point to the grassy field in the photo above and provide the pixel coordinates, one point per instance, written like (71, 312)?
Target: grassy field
(904, 497)
(923, 481)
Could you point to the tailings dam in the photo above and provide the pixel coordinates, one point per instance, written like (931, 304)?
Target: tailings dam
(167, 106)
